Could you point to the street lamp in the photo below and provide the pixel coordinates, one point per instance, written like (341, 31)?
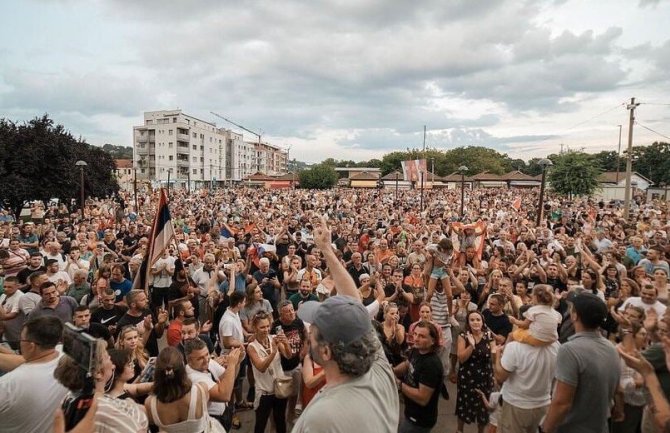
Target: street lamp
(462, 169)
(81, 164)
(544, 163)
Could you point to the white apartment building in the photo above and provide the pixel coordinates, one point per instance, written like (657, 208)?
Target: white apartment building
(269, 159)
(187, 149)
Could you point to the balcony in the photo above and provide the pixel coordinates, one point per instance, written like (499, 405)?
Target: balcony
(182, 137)
(182, 144)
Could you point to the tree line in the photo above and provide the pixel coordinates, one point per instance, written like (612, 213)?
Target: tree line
(37, 162)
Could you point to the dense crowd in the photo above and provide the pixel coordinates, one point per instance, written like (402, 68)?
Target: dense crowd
(339, 310)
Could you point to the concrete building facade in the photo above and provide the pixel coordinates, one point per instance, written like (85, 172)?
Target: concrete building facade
(183, 148)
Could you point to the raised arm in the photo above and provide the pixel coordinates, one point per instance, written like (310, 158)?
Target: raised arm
(343, 282)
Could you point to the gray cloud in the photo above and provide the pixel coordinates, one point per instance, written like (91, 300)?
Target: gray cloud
(381, 68)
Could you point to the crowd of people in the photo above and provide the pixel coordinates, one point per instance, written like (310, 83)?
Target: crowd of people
(339, 310)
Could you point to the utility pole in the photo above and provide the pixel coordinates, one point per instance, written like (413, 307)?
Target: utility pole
(629, 158)
(618, 157)
(424, 141)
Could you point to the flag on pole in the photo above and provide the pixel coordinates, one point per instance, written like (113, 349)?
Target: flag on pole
(162, 234)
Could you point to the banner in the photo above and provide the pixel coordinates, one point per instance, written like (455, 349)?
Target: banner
(411, 170)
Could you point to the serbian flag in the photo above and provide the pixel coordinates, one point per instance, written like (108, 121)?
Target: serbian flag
(162, 234)
(516, 204)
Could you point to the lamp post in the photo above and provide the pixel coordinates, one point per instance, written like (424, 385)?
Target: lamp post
(462, 169)
(81, 164)
(544, 163)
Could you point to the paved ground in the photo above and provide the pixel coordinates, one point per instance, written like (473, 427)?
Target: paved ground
(446, 422)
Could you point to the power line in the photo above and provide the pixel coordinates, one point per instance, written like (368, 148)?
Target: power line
(623, 104)
(653, 103)
(649, 129)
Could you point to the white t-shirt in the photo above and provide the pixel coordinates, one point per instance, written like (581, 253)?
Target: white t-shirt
(29, 396)
(230, 326)
(636, 301)
(215, 408)
(164, 278)
(60, 275)
(544, 322)
(11, 304)
(531, 372)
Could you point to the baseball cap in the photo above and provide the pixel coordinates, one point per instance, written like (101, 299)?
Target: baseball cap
(340, 319)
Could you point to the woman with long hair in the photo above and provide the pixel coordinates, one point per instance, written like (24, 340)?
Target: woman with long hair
(264, 353)
(391, 334)
(475, 372)
(177, 405)
(633, 341)
(112, 414)
(124, 371)
(129, 338)
(661, 283)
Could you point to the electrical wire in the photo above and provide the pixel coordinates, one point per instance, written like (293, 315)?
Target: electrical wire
(649, 129)
(594, 117)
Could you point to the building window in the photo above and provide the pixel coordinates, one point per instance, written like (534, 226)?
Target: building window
(149, 122)
(202, 171)
(170, 145)
(195, 147)
(195, 171)
(174, 120)
(170, 157)
(195, 135)
(142, 170)
(170, 131)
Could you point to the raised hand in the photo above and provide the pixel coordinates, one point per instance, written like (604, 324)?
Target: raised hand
(322, 235)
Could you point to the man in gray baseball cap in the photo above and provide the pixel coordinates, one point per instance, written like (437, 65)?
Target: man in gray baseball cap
(359, 379)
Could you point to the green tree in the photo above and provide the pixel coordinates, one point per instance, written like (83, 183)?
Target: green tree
(652, 161)
(320, 176)
(606, 160)
(37, 163)
(573, 173)
(118, 152)
(476, 158)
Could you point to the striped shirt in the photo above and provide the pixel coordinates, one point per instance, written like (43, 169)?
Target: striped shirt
(440, 307)
(119, 416)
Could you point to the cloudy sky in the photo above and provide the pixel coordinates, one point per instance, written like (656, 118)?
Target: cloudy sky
(349, 79)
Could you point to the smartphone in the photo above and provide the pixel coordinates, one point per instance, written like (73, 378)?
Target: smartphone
(147, 374)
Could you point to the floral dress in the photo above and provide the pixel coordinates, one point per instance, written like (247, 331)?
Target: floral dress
(475, 373)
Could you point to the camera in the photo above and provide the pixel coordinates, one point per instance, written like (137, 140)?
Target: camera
(81, 347)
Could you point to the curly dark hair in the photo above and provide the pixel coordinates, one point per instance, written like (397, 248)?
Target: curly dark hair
(354, 359)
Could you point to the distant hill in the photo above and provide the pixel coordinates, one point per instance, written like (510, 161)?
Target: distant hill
(118, 152)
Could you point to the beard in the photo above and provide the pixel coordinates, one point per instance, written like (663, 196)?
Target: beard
(315, 356)
(304, 294)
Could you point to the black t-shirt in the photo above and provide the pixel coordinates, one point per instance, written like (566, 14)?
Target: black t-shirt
(356, 273)
(97, 330)
(295, 334)
(424, 369)
(127, 320)
(557, 284)
(499, 325)
(108, 318)
(25, 273)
